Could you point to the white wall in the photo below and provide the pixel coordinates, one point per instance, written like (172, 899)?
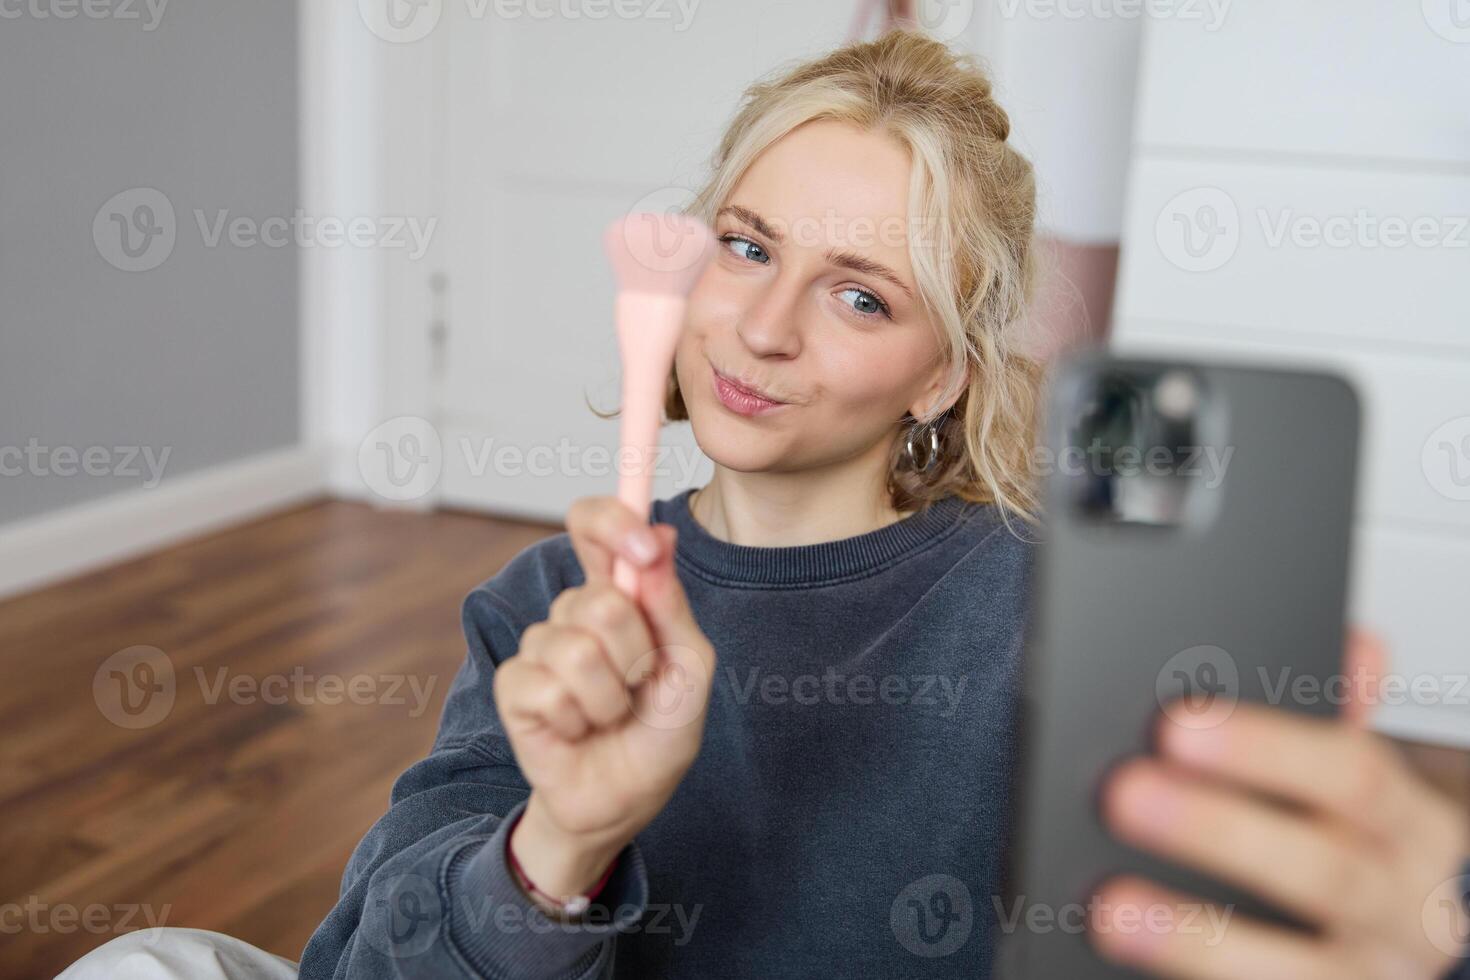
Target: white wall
(1318, 158)
(1065, 73)
(1066, 77)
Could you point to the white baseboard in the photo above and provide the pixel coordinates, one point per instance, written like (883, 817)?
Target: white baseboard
(40, 550)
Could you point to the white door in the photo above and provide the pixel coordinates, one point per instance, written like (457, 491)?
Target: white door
(556, 125)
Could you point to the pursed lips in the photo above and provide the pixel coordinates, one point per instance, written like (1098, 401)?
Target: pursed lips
(748, 389)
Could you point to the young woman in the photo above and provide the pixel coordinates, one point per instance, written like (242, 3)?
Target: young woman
(790, 756)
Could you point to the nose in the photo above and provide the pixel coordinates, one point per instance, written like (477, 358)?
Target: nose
(770, 326)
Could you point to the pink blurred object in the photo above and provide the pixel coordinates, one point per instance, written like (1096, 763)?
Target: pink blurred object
(896, 13)
(657, 259)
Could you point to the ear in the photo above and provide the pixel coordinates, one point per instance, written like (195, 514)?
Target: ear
(926, 405)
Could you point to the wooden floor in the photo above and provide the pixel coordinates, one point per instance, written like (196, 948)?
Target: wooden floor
(237, 815)
(229, 812)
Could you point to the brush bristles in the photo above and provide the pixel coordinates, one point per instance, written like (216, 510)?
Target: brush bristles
(663, 254)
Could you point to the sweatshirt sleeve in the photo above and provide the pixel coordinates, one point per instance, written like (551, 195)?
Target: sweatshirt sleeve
(427, 892)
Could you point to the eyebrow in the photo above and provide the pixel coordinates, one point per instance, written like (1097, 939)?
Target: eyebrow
(847, 260)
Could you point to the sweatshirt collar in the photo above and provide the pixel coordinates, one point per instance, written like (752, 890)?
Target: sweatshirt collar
(824, 563)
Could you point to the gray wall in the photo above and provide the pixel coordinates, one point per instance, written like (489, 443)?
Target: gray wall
(197, 357)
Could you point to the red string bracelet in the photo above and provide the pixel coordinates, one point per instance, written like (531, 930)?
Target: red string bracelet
(575, 905)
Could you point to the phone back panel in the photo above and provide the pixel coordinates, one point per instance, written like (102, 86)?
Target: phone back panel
(1125, 615)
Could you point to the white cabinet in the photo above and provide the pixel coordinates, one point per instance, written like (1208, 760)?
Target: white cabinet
(1300, 194)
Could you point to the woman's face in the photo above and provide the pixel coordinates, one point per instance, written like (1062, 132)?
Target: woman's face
(811, 299)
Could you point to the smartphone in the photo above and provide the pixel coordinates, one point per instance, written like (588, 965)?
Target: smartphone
(1195, 545)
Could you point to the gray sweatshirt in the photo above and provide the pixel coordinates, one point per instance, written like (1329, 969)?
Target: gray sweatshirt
(845, 816)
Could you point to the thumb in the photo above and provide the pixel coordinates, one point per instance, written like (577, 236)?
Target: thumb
(1364, 663)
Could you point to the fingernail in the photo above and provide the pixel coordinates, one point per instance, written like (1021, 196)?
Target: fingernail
(641, 545)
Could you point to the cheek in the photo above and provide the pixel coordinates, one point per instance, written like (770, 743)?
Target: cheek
(864, 377)
(701, 320)
(688, 358)
(715, 300)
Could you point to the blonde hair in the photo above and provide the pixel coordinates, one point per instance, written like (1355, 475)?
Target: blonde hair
(974, 197)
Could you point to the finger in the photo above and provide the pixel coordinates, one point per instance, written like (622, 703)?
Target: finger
(603, 610)
(1324, 764)
(529, 695)
(1364, 664)
(672, 687)
(602, 528)
(1304, 865)
(584, 669)
(672, 683)
(1170, 934)
(663, 598)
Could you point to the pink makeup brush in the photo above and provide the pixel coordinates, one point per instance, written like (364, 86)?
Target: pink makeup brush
(657, 259)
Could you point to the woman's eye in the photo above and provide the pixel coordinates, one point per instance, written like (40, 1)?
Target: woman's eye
(868, 304)
(744, 247)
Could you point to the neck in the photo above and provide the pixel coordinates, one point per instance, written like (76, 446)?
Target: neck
(777, 510)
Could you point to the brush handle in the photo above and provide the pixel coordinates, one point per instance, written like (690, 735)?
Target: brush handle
(648, 327)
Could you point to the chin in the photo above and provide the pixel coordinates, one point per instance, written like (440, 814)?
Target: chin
(732, 442)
